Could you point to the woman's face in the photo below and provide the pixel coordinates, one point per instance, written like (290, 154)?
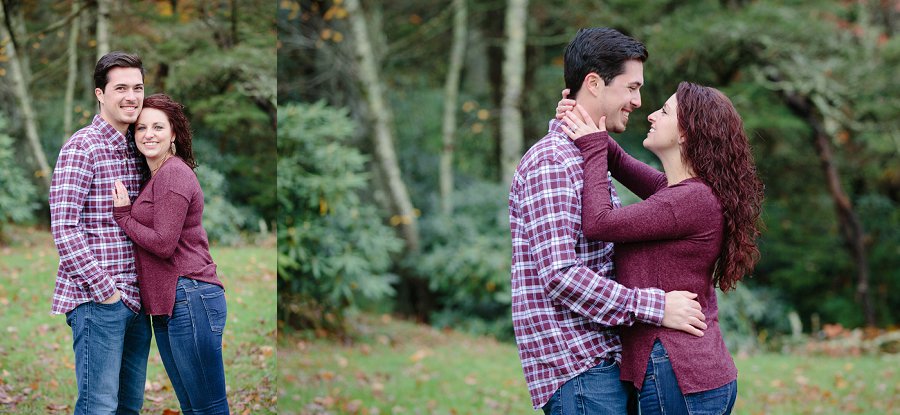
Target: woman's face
(153, 134)
(663, 134)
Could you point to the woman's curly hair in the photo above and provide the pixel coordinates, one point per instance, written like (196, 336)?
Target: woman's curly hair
(718, 151)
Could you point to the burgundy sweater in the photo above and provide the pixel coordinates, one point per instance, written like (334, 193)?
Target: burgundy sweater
(670, 240)
(169, 240)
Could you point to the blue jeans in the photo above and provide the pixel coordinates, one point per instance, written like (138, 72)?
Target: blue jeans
(111, 345)
(596, 391)
(660, 393)
(190, 345)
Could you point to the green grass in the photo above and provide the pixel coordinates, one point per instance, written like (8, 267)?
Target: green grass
(37, 374)
(396, 367)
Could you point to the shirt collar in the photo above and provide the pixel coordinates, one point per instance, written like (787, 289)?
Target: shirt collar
(113, 136)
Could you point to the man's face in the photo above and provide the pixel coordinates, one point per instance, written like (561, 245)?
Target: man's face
(122, 98)
(622, 96)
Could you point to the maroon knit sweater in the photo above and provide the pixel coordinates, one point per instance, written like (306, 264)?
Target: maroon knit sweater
(169, 240)
(670, 240)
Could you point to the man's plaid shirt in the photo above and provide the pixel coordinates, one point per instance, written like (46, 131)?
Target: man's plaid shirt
(95, 255)
(565, 302)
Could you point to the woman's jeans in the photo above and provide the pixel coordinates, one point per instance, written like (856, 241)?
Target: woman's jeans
(190, 345)
(111, 345)
(660, 393)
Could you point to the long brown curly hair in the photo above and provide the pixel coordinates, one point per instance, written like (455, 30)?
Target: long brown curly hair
(718, 151)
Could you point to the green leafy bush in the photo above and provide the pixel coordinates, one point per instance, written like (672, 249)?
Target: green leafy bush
(17, 193)
(752, 318)
(333, 249)
(466, 258)
(221, 219)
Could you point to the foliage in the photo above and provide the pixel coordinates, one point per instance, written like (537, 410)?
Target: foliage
(218, 59)
(221, 219)
(333, 249)
(752, 319)
(17, 193)
(466, 258)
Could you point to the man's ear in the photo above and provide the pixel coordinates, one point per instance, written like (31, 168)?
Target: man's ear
(99, 94)
(593, 83)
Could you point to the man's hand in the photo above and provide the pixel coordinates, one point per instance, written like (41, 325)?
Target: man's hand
(683, 313)
(118, 296)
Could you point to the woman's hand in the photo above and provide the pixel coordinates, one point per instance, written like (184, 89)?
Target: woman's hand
(564, 105)
(578, 123)
(120, 195)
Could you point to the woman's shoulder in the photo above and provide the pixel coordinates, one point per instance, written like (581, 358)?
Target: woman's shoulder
(176, 174)
(692, 192)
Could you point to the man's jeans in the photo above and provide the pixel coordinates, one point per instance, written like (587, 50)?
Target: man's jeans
(596, 391)
(660, 393)
(111, 344)
(190, 345)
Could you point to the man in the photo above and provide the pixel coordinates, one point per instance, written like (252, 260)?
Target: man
(565, 302)
(96, 285)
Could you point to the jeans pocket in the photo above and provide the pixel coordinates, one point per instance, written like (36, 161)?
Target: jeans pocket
(216, 310)
(716, 401)
(70, 317)
(604, 366)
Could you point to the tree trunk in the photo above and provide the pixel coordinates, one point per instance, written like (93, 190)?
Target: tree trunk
(102, 28)
(73, 72)
(15, 19)
(513, 80)
(451, 94)
(403, 214)
(20, 87)
(850, 226)
(234, 23)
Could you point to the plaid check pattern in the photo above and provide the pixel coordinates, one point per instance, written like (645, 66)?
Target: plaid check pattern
(565, 302)
(95, 255)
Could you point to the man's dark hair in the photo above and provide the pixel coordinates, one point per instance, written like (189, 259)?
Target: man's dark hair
(116, 59)
(601, 50)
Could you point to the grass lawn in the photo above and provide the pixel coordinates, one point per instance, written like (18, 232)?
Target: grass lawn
(37, 374)
(396, 367)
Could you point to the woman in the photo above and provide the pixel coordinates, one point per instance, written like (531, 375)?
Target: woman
(694, 230)
(176, 274)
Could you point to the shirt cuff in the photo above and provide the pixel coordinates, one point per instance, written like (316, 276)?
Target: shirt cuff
(103, 288)
(650, 305)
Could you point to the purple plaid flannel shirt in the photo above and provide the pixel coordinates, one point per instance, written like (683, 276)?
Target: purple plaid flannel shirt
(565, 302)
(95, 255)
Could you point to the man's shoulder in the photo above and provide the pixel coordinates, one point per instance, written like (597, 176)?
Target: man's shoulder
(87, 138)
(553, 148)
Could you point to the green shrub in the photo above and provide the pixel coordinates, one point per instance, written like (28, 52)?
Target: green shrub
(752, 318)
(333, 249)
(221, 219)
(17, 193)
(466, 258)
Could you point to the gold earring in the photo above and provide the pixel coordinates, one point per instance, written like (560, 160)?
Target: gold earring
(173, 148)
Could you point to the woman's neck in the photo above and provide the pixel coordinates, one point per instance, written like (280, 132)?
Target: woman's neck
(675, 168)
(156, 163)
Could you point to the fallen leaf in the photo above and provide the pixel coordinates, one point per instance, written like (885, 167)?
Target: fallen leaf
(419, 355)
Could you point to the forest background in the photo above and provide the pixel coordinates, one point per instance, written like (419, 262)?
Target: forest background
(216, 58)
(400, 124)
